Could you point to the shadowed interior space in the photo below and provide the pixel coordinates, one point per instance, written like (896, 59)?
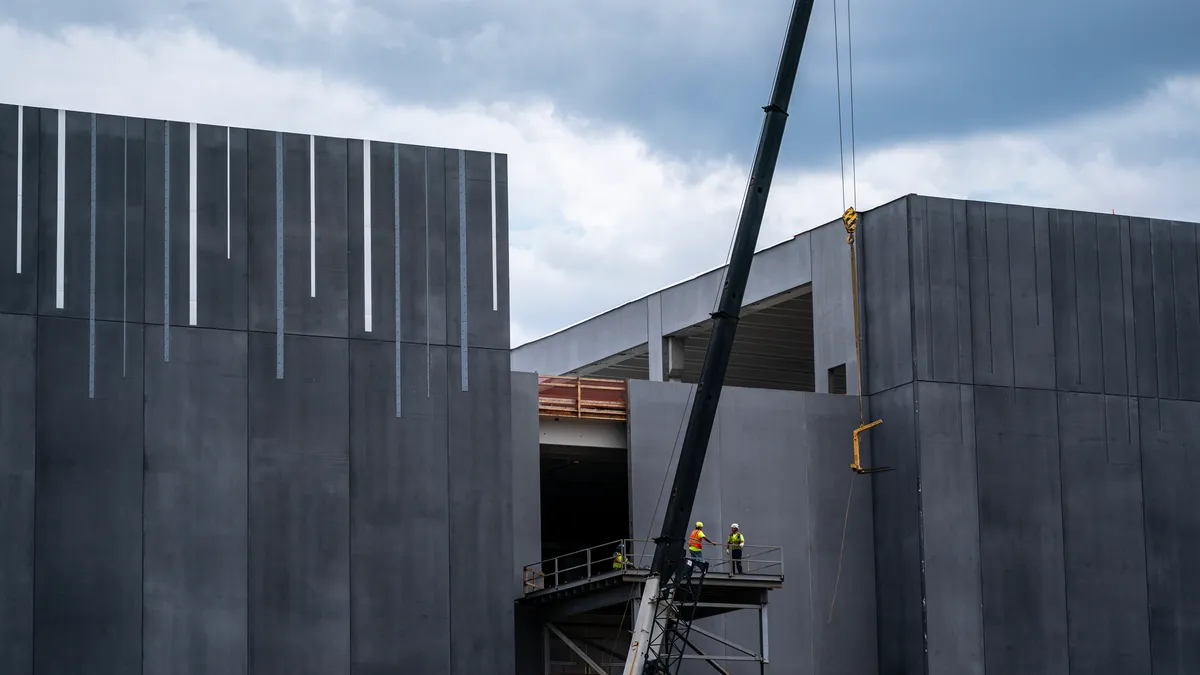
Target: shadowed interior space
(585, 501)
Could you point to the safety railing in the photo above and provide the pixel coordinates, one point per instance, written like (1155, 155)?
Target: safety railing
(633, 556)
(582, 397)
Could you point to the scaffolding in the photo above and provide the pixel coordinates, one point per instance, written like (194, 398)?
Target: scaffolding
(587, 601)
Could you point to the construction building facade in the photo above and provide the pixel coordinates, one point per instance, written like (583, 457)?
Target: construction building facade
(259, 415)
(1032, 370)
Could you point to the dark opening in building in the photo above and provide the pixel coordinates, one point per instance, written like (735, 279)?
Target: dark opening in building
(585, 508)
(837, 379)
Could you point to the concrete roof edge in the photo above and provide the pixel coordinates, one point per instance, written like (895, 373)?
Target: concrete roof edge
(668, 287)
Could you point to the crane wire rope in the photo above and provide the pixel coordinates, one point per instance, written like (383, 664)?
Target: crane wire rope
(850, 219)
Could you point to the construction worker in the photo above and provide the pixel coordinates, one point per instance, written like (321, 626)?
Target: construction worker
(734, 547)
(696, 542)
(619, 559)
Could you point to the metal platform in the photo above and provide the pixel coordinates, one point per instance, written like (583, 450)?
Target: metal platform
(592, 588)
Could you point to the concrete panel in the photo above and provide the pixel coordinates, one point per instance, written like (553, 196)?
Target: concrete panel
(1164, 298)
(299, 508)
(950, 523)
(480, 466)
(843, 570)
(1032, 297)
(774, 509)
(382, 242)
(657, 418)
(833, 309)
(1172, 518)
(1105, 548)
(18, 288)
(1128, 309)
(262, 250)
(501, 169)
(1078, 327)
(221, 227)
(422, 240)
(1111, 240)
(981, 320)
(167, 253)
(316, 305)
(18, 334)
(119, 242)
(1187, 308)
(454, 268)
(898, 547)
(941, 290)
(478, 165)
(399, 522)
(886, 302)
(801, 506)
(923, 239)
(1145, 340)
(76, 262)
(195, 585)
(354, 238)
(487, 326)
(1021, 531)
(133, 222)
(46, 209)
(503, 265)
(526, 473)
(991, 293)
(89, 503)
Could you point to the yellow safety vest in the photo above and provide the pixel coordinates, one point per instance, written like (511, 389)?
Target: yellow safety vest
(618, 562)
(736, 540)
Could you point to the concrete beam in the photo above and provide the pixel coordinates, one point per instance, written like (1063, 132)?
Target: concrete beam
(582, 433)
(620, 333)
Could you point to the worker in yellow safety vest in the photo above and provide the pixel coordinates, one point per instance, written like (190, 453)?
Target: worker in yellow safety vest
(696, 541)
(619, 559)
(734, 546)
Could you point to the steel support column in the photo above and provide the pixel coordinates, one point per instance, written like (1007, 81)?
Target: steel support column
(575, 648)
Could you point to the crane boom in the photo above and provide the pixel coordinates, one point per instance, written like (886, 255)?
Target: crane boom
(660, 627)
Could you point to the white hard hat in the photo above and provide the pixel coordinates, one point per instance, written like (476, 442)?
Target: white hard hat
(734, 526)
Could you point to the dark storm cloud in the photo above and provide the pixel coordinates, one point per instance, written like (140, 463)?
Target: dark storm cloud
(690, 74)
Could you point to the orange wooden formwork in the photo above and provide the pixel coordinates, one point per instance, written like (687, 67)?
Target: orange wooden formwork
(582, 397)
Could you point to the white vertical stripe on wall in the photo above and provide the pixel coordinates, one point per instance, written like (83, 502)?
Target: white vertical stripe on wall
(92, 263)
(20, 178)
(312, 216)
(192, 217)
(60, 252)
(495, 287)
(228, 198)
(367, 236)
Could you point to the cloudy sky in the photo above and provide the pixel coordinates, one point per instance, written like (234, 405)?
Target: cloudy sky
(630, 125)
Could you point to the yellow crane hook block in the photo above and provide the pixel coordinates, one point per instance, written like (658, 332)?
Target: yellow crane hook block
(857, 465)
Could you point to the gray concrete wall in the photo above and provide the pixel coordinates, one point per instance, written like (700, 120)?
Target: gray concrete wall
(778, 465)
(1039, 406)
(212, 462)
(833, 306)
